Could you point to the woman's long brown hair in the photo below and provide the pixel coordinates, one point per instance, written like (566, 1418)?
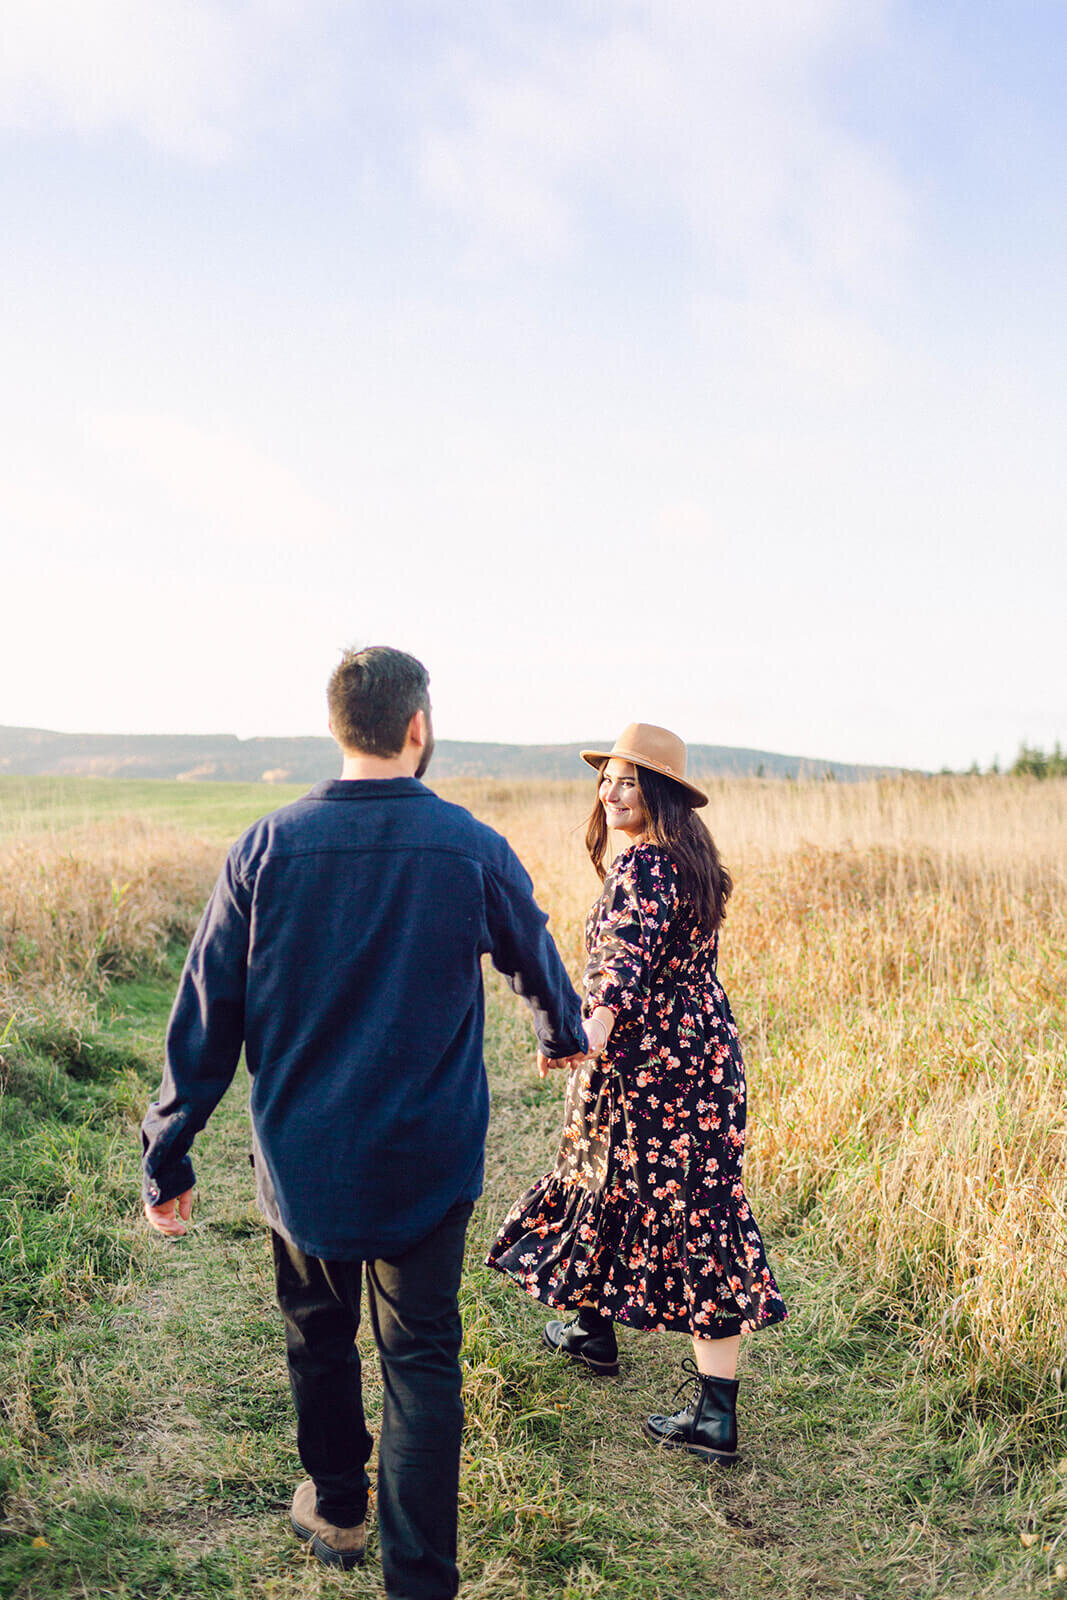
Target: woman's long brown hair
(671, 822)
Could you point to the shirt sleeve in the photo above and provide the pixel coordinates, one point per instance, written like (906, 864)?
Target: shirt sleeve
(635, 911)
(523, 950)
(204, 1038)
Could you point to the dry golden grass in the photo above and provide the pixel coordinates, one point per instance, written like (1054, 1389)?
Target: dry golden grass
(896, 953)
(94, 902)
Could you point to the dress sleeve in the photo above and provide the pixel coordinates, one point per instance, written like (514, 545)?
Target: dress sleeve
(630, 923)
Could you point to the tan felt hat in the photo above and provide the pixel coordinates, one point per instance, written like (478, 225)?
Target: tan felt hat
(652, 747)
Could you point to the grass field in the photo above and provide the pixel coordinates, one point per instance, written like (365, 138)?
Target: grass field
(896, 954)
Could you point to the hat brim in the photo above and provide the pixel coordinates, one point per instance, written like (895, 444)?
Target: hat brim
(597, 758)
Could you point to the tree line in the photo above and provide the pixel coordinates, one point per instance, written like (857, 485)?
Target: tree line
(1031, 762)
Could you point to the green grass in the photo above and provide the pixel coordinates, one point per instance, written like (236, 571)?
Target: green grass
(29, 805)
(147, 1436)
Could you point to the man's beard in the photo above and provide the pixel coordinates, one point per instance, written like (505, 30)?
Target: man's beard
(427, 749)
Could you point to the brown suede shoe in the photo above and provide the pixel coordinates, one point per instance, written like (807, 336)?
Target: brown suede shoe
(337, 1547)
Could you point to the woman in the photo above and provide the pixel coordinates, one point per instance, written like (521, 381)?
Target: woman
(644, 1219)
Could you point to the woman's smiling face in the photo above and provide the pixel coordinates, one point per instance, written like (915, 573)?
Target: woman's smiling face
(619, 796)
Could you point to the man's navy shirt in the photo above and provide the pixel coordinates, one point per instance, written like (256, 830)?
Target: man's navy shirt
(341, 946)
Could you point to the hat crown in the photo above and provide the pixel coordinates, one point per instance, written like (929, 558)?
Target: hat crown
(658, 749)
(646, 745)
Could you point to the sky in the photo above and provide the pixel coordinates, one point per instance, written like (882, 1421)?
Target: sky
(659, 360)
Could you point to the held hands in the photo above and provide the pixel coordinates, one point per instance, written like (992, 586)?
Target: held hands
(171, 1216)
(596, 1033)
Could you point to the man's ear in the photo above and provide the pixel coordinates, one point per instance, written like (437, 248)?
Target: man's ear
(417, 729)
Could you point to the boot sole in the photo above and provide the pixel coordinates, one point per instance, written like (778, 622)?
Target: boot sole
(347, 1559)
(603, 1369)
(721, 1458)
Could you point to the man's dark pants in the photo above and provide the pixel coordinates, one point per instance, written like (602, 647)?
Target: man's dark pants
(415, 1317)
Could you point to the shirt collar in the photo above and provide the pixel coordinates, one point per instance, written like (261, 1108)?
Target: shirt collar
(367, 789)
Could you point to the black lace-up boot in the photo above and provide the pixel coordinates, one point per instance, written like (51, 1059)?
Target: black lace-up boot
(708, 1425)
(590, 1339)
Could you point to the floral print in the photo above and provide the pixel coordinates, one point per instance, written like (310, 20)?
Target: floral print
(644, 1215)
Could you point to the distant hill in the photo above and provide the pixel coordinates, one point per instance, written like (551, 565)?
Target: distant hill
(209, 757)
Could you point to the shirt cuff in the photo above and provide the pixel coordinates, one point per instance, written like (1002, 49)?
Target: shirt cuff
(570, 1040)
(157, 1190)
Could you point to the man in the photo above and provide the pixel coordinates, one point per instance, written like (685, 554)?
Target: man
(341, 947)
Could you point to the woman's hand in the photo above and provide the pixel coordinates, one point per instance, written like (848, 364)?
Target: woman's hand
(598, 1030)
(545, 1064)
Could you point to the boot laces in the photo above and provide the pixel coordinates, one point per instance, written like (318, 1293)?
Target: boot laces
(692, 1382)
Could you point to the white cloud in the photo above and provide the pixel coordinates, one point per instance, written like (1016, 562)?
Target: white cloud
(219, 481)
(36, 505)
(522, 123)
(194, 77)
(808, 340)
(709, 117)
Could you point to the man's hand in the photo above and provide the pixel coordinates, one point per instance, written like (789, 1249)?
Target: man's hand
(597, 1033)
(171, 1216)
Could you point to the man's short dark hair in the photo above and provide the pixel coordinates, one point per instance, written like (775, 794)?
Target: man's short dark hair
(373, 695)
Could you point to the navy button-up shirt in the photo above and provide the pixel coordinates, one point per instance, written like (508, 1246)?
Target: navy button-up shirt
(341, 946)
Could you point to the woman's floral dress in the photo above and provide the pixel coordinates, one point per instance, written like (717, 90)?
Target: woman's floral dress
(644, 1215)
